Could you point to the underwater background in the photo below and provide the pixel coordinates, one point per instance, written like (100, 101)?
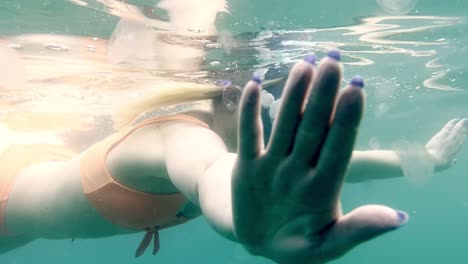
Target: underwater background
(412, 54)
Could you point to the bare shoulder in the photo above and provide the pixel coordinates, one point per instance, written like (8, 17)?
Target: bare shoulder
(150, 157)
(179, 136)
(152, 143)
(189, 152)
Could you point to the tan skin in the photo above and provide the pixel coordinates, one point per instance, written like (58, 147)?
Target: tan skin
(64, 178)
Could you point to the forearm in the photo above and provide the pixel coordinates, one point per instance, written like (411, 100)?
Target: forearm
(385, 164)
(215, 197)
(412, 160)
(200, 166)
(374, 165)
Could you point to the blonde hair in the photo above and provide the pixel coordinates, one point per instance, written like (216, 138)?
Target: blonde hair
(165, 95)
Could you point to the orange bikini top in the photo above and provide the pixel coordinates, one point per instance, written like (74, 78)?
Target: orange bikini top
(124, 206)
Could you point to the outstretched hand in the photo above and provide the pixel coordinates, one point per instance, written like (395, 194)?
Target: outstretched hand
(286, 197)
(445, 145)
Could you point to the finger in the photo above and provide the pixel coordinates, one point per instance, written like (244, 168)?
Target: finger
(454, 137)
(445, 131)
(316, 120)
(445, 145)
(292, 103)
(462, 126)
(274, 108)
(250, 131)
(450, 124)
(458, 135)
(361, 225)
(339, 143)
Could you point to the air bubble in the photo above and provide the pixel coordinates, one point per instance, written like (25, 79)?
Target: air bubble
(15, 46)
(196, 30)
(274, 108)
(57, 47)
(266, 99)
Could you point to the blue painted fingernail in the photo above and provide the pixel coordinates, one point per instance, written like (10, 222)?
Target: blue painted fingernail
(223, 83)
(403, 217)
(257, 78)
(334, 54)
(357, 81)
(310, 58)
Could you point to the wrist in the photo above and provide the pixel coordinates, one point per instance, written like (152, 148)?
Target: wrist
(416, 161)
(438, 164)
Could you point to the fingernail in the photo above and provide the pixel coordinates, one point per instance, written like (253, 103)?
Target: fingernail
(335, 54)
(257, 78)
(357, 81)
(403, 218)
(223, 83)
(310, 58)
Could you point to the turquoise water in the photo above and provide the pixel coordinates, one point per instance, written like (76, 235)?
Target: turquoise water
(412, 55)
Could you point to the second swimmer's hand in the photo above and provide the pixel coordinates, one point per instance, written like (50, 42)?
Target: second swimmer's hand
(445, 145)
(286, 197)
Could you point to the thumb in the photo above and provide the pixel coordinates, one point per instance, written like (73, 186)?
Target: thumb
(360, 225)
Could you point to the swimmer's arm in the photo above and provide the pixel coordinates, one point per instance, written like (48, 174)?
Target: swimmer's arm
(200, 166)
(373, 165)
(439, 153)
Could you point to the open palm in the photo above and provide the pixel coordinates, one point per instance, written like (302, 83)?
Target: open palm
(286, 196)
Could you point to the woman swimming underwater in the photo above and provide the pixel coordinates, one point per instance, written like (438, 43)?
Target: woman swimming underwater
(211, 160)
(204, 154)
